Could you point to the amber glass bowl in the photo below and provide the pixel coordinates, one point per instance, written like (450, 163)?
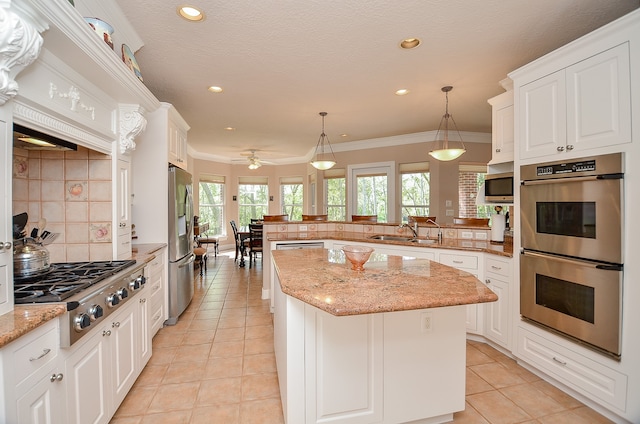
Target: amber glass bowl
(357, 255)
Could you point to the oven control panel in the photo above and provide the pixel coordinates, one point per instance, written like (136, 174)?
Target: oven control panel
(566, 168)
(96, 306)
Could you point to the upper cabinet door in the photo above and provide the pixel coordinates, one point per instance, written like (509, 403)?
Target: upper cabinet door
(599, 100)
(502, 136)
(543, 116)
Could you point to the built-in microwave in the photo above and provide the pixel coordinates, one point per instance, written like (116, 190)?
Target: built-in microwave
(498, 188)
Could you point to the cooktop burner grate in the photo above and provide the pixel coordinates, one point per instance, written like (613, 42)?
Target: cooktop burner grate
(64, 280)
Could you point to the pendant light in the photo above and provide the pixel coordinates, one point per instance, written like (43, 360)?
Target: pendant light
(321, 161)
(446, 153)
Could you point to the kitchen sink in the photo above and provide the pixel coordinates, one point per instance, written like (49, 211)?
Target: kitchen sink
(391, 238)
(425, 241)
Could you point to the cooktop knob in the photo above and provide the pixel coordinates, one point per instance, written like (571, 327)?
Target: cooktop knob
(123, 293)
(134, 285)
(112, 300)
(96, 312)
(81, 321)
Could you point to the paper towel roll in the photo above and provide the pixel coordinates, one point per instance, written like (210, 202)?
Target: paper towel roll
(498, 223)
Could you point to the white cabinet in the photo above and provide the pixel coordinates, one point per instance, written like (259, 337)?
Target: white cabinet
(471, 263)
(150, 210)
(6, 233)
(156, 293)
(579, 107)
(102, 369)
(498, 277)
(123, 209)
(32, 379)
(556, 358)
(502, 134)
(177, 147)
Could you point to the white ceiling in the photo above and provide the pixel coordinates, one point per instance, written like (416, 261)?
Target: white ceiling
(282, 62)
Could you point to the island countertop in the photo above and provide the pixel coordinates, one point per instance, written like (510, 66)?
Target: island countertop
(324, 279)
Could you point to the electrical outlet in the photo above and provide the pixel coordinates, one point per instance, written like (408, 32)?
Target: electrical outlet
(426, 322)
(302, 228)
(448, 203)
(449, 212)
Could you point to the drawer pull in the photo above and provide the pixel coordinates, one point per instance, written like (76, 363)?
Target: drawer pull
(496, 267)
(44, 353)
(561, 362)
(157, 317)
(458, 262)
(115, 324)
(156, 288)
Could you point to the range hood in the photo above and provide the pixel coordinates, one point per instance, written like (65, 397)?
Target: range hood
(28, 139)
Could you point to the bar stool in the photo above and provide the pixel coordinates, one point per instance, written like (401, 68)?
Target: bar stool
(201, 258)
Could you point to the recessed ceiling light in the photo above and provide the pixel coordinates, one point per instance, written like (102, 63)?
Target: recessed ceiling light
(410, 43)
(230, 129)
(215, 89)
(190, 13)
(344, 135)
(402, 92)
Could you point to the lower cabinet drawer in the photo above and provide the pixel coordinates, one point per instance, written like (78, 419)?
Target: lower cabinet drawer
(156, 319)
(500, 266)
(594, 380)
(34, 351)
(459, 261)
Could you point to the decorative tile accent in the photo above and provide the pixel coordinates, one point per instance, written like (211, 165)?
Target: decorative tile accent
(20, 167)
(100, 232)
(76, 191)
(340, 227)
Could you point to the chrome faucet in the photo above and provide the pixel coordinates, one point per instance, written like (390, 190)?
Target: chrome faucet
(439, 229)
(413, 229)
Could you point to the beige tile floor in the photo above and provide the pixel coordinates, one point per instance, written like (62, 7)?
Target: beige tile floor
(217, 366)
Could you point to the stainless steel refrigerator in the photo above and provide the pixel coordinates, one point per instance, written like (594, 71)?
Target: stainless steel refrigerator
(181, 255)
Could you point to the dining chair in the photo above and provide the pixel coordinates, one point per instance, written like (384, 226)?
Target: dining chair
(421, 219)
(314, 217)
(270, 218)
(236, 236)
(368, 218)
(254, 243)
(471, 222)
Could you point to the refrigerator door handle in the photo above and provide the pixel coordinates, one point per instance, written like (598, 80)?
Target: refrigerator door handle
(192, 257)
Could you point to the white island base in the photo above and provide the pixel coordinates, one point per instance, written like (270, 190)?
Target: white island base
(388, 368)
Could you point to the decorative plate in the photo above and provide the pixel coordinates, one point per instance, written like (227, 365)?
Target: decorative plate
(130, 60)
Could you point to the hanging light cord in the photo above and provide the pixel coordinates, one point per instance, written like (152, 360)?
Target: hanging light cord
(446, 118)
(321, 140)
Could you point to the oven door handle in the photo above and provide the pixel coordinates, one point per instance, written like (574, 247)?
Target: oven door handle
(574, 179)
(596, 265)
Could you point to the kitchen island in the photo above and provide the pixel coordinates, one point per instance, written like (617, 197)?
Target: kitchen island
(385, 345)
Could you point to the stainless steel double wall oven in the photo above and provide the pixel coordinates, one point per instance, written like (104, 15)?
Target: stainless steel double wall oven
(572, 257)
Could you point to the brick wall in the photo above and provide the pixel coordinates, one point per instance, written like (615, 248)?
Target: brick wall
(467, 192)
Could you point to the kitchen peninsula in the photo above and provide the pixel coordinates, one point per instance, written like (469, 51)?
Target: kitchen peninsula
(383, 345)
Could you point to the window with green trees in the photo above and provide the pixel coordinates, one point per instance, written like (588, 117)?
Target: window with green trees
(336, 197)
(253, 201)
(291, 197)
(211, 203)
(415, 184)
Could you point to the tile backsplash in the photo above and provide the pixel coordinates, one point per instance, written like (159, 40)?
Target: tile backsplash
(72, 190)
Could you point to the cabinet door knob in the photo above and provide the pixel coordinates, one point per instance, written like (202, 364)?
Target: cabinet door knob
(6, 245)
(560, 148)
(497, 150)
(106, 333)
(487, 281)
(569, 147)
(56, 377)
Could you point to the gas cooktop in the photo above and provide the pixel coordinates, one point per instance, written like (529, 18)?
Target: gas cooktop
(64, 280)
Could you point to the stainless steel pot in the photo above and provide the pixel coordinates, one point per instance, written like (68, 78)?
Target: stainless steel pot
(30, 258)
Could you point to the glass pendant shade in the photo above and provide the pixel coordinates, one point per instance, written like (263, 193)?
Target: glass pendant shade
(446, 153)
(321, 160)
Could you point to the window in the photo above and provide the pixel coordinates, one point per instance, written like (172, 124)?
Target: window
(470, 180)
(253, 199)
(291, 197)
(211, 203)
(335, 194)
(372, 190)
(415, 189)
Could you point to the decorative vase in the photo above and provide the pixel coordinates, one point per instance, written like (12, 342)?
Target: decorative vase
(101, 28)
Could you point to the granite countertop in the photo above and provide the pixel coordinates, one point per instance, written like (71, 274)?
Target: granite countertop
(502, 249)
(25, 318)
(324, 279)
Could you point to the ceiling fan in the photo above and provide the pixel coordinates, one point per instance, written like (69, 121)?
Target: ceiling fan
(254, 161)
